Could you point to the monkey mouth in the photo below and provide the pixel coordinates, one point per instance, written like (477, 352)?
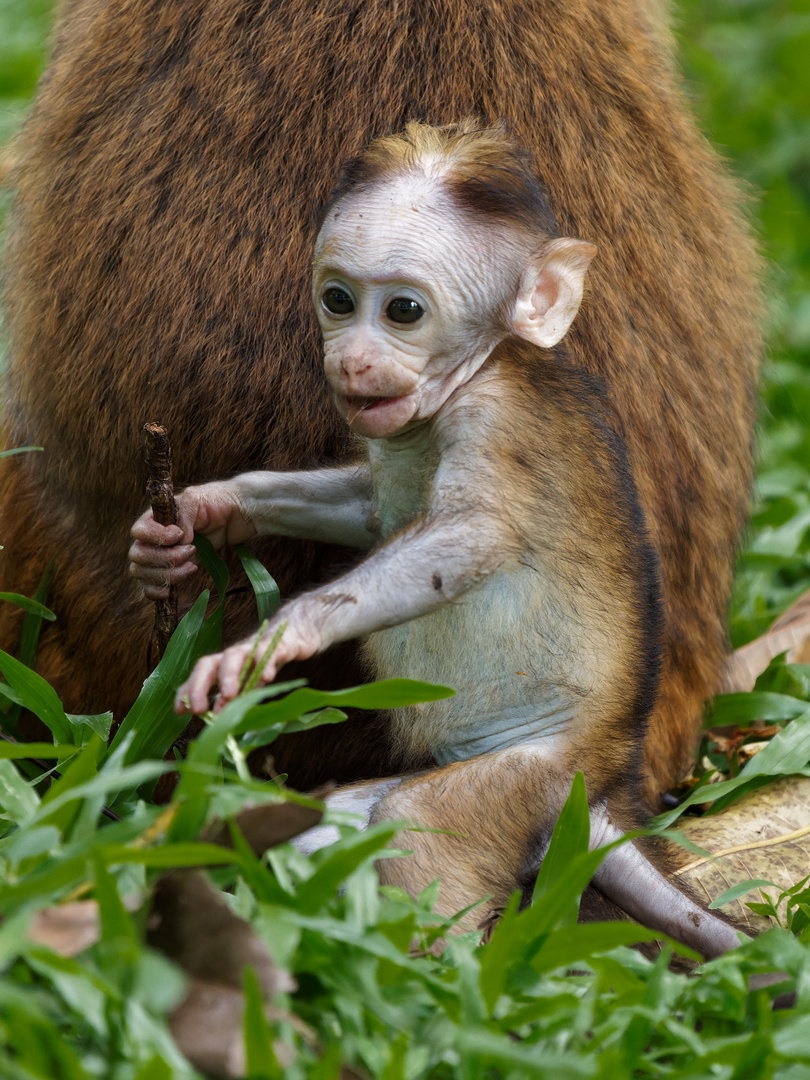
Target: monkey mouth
(356, 405)
(376, 417)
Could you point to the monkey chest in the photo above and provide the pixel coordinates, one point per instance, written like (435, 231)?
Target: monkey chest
(507, 655)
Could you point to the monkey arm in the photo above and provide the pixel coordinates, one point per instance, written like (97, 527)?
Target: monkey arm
(430, 563)
(331, 505)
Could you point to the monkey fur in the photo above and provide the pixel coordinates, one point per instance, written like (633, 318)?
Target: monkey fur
(169, 182)
(507, 549)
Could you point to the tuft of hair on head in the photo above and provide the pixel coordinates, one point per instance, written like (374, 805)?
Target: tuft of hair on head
(482, 167)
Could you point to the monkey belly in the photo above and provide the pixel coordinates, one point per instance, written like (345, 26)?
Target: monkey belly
(518, 670)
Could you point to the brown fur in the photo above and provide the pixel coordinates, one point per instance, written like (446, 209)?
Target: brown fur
(170, 178)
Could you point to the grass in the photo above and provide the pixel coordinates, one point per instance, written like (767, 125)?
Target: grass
(358, 989)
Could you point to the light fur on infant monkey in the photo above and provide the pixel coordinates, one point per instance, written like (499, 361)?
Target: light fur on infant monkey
(508, 554)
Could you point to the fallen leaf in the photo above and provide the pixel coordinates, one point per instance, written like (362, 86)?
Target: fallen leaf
(68, 929)
(266, 826)
(789, 633)
(763, 835)
(193, 925)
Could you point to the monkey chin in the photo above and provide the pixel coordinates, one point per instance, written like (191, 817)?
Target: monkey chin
(377, 418)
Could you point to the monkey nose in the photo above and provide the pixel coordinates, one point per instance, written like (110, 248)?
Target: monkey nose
(352, 368)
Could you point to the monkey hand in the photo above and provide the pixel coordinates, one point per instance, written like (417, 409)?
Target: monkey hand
(163, 555)
(230, 669)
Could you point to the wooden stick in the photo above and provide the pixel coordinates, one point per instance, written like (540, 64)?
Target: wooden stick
(161, 496)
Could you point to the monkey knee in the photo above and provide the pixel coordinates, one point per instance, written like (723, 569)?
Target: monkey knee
(401, 804)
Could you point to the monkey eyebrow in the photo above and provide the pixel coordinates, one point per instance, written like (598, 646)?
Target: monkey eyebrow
(383, 275)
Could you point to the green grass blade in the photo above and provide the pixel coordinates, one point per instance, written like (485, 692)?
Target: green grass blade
(786, 754)
(32, 623)
(18, 799)
(260, 1057)
(27, 604)
(570, 838)
(152, 722)
(268, 597)
(38, 696)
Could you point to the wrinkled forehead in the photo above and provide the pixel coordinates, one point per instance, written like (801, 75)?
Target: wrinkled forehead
(405, 227)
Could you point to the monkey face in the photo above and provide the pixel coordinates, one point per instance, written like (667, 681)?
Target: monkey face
(406, 300)
(412, 295)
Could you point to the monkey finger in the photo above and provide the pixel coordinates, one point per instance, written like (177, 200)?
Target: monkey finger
(192, 696)
(155, 586)
(150, 555)
(152, 532)
(230, 671)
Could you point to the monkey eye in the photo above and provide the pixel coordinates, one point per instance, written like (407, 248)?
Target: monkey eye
(402, 310)
(337, 301)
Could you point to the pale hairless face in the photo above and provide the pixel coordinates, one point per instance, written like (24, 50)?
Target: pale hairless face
(404, 289)
(412, 295)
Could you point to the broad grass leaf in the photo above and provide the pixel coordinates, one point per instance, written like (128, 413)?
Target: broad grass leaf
(99, 724)
(27, 604)
(204, 756)
(108, 781)
(491, 1048)
(342, 859)
(786, 754)
(151, 725)
(260, 1057)
(250, 711)
(18, 799)
(170, 856)
(254, 871)
(37, 1042)
(36, 750)
(518, 935)
(45, 884)
(29, 636)
(7, 694)
(156, 1069)
(210, 636)
(253, 740)
(385, 694)
(571, 835)
(152, 718)
(38, 696)
(373, 943)
(116, 923)
(578, 943)
(739, 890)
(81, 769)
(118, 946)
(268, 596)
(745, 708)
(32, 622)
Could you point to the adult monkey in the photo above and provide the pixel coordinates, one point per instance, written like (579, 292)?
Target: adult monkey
(170, 180)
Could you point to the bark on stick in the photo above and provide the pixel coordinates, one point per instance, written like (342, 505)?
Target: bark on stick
(161, 496)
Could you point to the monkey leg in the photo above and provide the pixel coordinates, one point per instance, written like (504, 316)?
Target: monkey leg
(497, 813)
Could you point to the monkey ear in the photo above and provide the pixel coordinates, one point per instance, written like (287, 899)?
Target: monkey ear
(551, 291)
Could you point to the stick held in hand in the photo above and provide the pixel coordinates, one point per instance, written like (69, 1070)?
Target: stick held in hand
(160, 491)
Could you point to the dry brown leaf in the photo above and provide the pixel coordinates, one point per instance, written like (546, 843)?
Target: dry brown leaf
(207, 1028)
(797, 614)
(789, 633)
(68, 929)
(193, 925)
(266, 826)
(765, 834)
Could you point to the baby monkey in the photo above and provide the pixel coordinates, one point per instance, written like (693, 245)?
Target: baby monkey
(508, 553)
